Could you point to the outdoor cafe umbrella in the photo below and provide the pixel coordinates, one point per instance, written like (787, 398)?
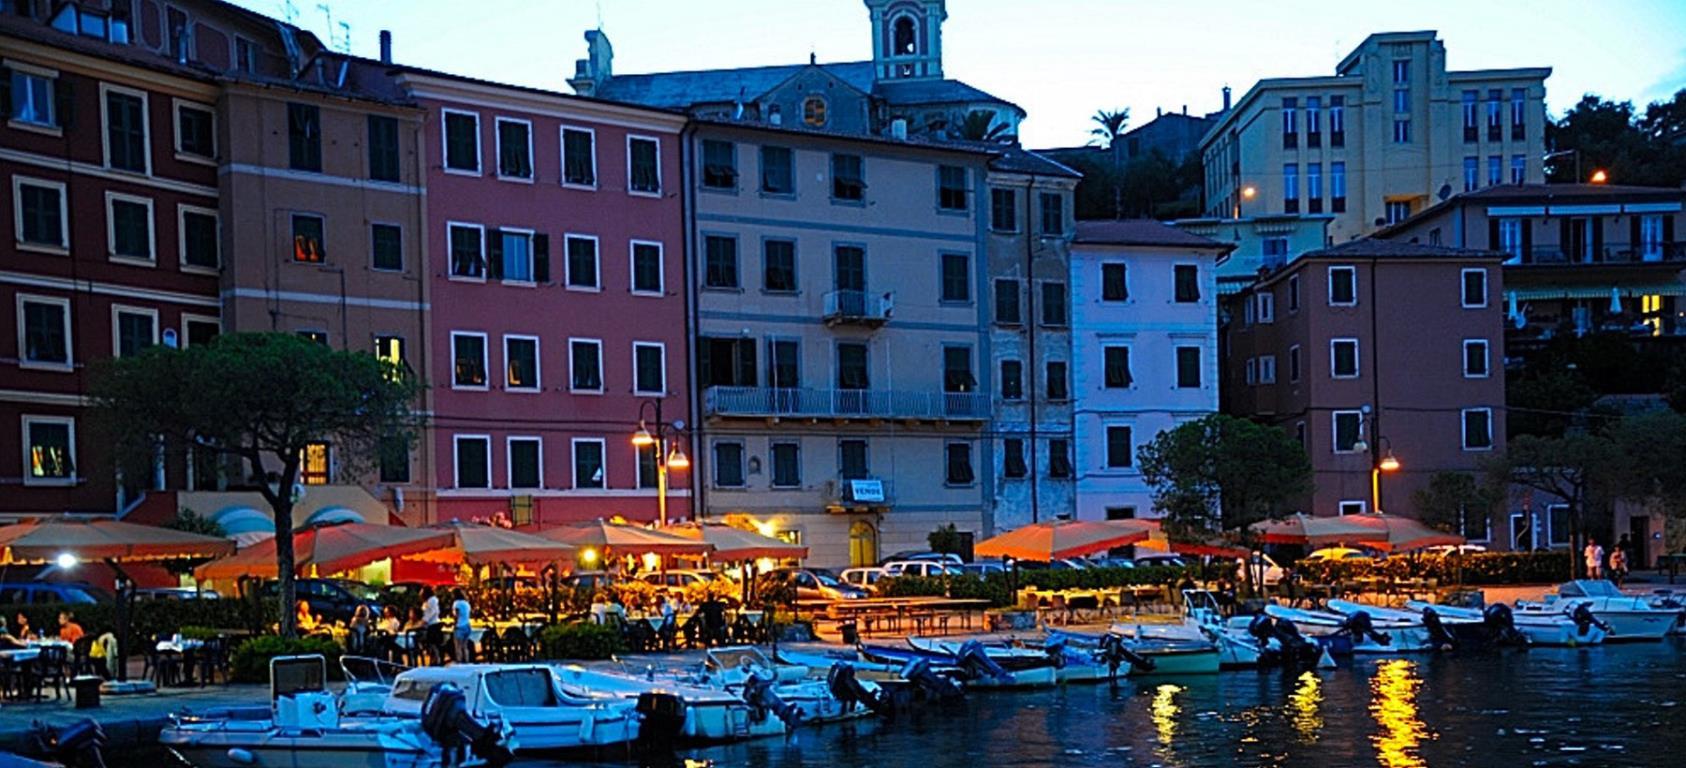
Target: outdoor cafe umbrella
(736, 544)
(1402, 534)
(1051, 540)
(477, 544)
(329, 549)
(624, 538)
(1317, 531)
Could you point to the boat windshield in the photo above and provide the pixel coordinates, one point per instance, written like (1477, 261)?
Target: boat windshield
(727, 658)
(521, 688)
(1588, 588)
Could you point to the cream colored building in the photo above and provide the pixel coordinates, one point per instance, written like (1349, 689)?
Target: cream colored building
(1390, 133)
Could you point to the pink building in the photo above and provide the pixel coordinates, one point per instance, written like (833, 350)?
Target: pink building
(555, 258)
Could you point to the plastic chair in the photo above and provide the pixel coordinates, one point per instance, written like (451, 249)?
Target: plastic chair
(517, 646)
(50, 671)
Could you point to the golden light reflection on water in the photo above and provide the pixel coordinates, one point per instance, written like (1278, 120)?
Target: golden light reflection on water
(1165, 711)
(1393, 704)
(1306, 707)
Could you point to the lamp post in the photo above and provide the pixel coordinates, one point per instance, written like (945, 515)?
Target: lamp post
(1379, 463)
(1247, 193)
(666, 458)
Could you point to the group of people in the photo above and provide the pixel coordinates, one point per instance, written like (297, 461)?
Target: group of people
(69, 631)
(1618, 560)
(425, 617)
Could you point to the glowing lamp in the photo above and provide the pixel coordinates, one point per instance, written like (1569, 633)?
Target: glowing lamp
(1599, 176)
(642, 438)
(66, 560)
(676, 459)
(1249, 192)
(1389, 463)
(766, 528)
(652, 561)
(588, 556)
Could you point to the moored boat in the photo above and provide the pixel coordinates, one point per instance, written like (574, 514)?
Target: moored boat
(1357, 632)
(703, 714)
(1629, 617)
(1538, 627)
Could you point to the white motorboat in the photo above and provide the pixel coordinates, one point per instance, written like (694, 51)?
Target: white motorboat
(302, 729)
(1202, 621)
(741, 668)
(1540, 627)
(703, 713)
(1629, 617)
(1367, 634)
(542, 714)
(978, 665)
(1148, 655)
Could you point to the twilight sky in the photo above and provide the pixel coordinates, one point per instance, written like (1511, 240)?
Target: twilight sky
(1059, 59)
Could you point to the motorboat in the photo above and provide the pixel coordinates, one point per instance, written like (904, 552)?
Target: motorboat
(543, 715)
(302, 728)
(1573, 628)
(970, 662)
(741, 668)
(683, 712)
(1629, 617)
(1202, 621)
(1151, 655)
(1354, 631)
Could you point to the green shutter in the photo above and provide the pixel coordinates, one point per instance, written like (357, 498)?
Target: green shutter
(541, 258)
(494, 254)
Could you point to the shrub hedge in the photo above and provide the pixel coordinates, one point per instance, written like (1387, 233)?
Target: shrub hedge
(153, 617)
(997, 587)
(250, 659)
(579, 640)
(1475, 568)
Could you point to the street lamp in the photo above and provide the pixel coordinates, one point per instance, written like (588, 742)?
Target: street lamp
(1388, 463)
(667, 457)
(1247, 193)
(1599, 176)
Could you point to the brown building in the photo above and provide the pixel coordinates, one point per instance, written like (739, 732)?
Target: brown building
(1372, 348)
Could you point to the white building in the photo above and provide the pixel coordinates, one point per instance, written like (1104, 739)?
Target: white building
(1144, 332)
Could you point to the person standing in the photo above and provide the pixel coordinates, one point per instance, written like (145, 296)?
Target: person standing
(1618, 565)
(434, 633)
(359, 628)
(1594, 559)
(463, 636)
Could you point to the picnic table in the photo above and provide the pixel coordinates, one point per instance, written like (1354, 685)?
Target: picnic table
(924, 614)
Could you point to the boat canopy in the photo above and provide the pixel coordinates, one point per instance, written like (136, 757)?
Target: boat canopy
(1588, 588)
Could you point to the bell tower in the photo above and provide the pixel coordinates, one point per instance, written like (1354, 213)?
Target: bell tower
(907, 38)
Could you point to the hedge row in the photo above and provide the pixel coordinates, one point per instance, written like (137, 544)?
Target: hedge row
(997, 588)
(152, 617)
(1474, 569)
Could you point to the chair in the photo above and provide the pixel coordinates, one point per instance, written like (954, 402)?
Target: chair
(50, 671)
(164, 666)
(81, 657)
(491, 648)
(212, 660)
(517, 646)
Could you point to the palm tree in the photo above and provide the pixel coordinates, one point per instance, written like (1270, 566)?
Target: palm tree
(980, 125)
(1109, 124)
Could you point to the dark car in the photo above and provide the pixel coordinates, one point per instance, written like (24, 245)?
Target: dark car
(176, 593)
(49, 592)
(812, 584)
(331, 599)
(592, 580)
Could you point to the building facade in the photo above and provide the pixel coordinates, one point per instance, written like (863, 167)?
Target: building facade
(557, 306)
(1144, 352)
(1258, 243)
(1370, 349)
(1390, 133)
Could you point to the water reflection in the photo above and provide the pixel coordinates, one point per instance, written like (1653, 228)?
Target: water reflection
(1393, 704)
(1305, 707)
(1165, 711)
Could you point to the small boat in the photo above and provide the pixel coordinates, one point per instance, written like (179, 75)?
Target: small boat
(543, 715)
(698, 713)
(1153, 655)
(969, 662)
(1538, 627)
(743, 667)
(302, 728)
(1202, 620)
(1364, 633)
(1445, 630)
(1629, 617)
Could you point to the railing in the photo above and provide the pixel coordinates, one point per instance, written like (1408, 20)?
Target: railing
(844, 403)
(1610, 253)
(858, 306)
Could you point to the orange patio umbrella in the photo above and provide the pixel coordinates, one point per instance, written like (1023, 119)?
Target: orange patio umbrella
(625, 539)
(45, 540)
(1055, 539)
(1317, 531)
(329, 549)
(479, 544)
(736, 544)
(1402, 534)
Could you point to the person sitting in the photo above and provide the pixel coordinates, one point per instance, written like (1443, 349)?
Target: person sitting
(359, 628)
(23, 631)
(7, 639)
(306, 621)
(390, 623)
(414, 621)
(599, 607)
(69, 630)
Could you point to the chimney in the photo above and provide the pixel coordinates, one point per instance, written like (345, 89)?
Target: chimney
(1226, 98)
(386, 47)
(1158, 112)
(1185, 109)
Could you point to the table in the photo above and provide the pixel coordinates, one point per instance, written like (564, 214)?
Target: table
(889, 613)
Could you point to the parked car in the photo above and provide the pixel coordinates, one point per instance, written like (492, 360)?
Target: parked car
(1058, 564)
(176, 593)
(44, 592)
(1111, 562)
(921, 568)
(675, 582)
(945, 557)
(332, 599)
(983, 568)
(1337, 553)
(588, 580)
(863, 578)
(1459, 549)
(1160, 560)
(813, 584)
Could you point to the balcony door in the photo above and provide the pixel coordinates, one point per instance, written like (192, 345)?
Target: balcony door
(1583, 239)
(848, 278)
(784, 375)
(853, 380)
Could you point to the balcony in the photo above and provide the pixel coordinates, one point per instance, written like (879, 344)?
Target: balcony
(866, 494)
(858, 308)
(1610, 253)
(773, 402)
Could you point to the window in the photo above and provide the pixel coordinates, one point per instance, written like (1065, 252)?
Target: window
(1343, 286)
(585, 364)
(304, 137)
(307, 239)
(34, 98)
(1012, 458)
(1299, 433)
(468, 353)
(1119, 453)
(778, 171)
(1401, 101)
(1398, 210)
(1059, 458)
(44, 332)
(1348, 428)
(1117, 367)
(644, 170)
(201, 331)
(473, 459)
(394, 460)
(647, 471)
(813, 111)
(319, 337)
(384, 161)
(1114, 285)
(851, 460)
(728, 465)
(720, 164)
(1343, 358)
(316, 463)
(951, 188)
(196, 131)
(1294, 293)
(128, 230)
(1053, 304)
(721, 261)
(1187, 278)
(1351, 507)
(784, 363)
(579, 157)
(778, 265)
(466, 257)
(1495, 170)
(1003, 210)
(386, 247)
(1495, 114)
(957, 370)
(1007, 302)
(588, 462)
(1518, 114)
(1053, 214)
(956, 277)
(1290, 123)
(1251, 376)
(852, 366)
(1337, 187)
(1402, 71)
(1057, 383)
(462, 141)
(1475, 359)
(647, 275)
(515, 148)
(959, 463)
(1478, 429)
(126, 146)
(1012, 380)
(245, 55)
(1337, 121)
(728, 362)
(132, 330)
(1294, 363)
(1474, 294)
(1314, 187)
(526, 465)
(388, 350)
(49, 450)
(1512, 238)
(848, 268)
(42, 221)
(848, 177)
(1188, 367)
(582, 262)
(1402, 131)
(787, 465)
(649, 368)
(521, 363)
(1291, 188)
(1518, 169)
(1471, 131)
(1472, 173)
(1267, 307)
(1313, 109)
(1267, 369)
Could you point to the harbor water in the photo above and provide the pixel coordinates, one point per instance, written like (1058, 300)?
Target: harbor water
(1617, 705)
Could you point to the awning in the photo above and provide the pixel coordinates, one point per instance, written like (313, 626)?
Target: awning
(478, 544)
(329, 549)
(736, 544)
(44, 540)
(625, 539)
(331, 515)
(1317, 531)
(1043, 542)
(1546, 292)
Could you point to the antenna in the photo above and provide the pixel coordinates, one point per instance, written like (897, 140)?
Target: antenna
(599, 15)
(345, 38)
(290, 12)
(328, 13)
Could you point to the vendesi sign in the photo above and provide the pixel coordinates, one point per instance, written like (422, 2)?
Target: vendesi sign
(866, 490)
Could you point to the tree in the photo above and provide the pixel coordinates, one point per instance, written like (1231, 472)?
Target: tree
(980, 125)
(1634, 148)
(1452, 498)
(947, 539)
(1567, 468)
(1221, 473)
(258, 399)
(1109, 125)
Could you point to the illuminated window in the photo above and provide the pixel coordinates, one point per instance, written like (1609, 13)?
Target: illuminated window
(50, 448)
(813, 111)
(307, 239)
(390, 350)
(314, 464)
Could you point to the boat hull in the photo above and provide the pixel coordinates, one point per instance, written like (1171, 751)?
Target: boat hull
(1202, 661)
(214, 745)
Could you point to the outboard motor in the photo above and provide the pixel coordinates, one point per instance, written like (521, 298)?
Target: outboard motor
(661, 721)
(843, 684)
(1293, 649)
(1437, 631)
(1501, 625)
(1055, 647)
(1585, 620)
(1116, 655)
(78, 745)
(935, 686)
(1359, 625)
(758, 693)
(976, 661)
(445, 718)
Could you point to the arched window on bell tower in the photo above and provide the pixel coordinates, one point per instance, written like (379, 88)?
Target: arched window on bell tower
(905, 37)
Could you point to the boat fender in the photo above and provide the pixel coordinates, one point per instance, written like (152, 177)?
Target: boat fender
(242, 756)
(976, 660)
(588, 727)
(1437, 631)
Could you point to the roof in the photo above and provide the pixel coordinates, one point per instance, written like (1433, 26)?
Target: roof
(1141, 232)
(681, 90)
(911, 142)
(1540, 194)
(1016, 159)
(1375, 248)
